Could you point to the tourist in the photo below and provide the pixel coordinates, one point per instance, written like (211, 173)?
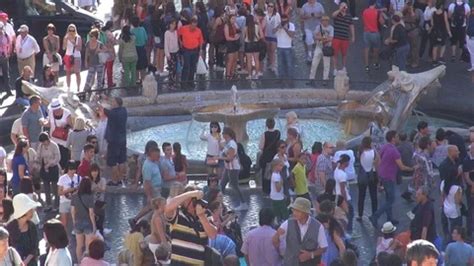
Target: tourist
(284, 33)
(77, 138)
(7, 206)
(423, 174)
(51, 45)
(180, 164)
(83, 170)
(324, 166)
(56, 236)
(132, 242)
(128, 56)
(449, 167)
(8, 255)
(191, 39)
(213, 148)
(60, 121)
(300, 179)
(22, 230)
(3, 185)
(469, 39)
(72, 44)
(94, 63)
(387, 242)
(406, 149)
(19, 165)
(292, 122)
(5, 53)
(232, 166)
(158, 236)
(422, 131)
(141, 159)
(372, 38)
(152, 181)
(140, 41)
(423, 225)
(167, 169)
(425, 35)
(312, 243)
(187, 213)
(323, 35)
(116, 136)
(468, 173)
(413, 20)
(390, 163)
(439, 32)
(451, 191)
(83, 218)
(459, 252)
(22, 98)
(268, 146)
(279, 202)
(398, 39)
(257, 246)
(334, 235)
(340, 150)
(232, 37)
(67, 185)
(440, 150)
(203, 24)
(272, 21)
(367, 177)
(312, 12)
(110, 42)
(96, 254)
(457, 140)
(48, 77)
(252, 35)
(171, 49)
(241, 21)
(32, 121)
(458, 13)
(343, 29)
(225, 246)
(26, 49)
(49, 156)
(294, 147)
(285, 171)
(98, 188)
(329, 194)
(342, 188)
(217, 41)
(421, 252)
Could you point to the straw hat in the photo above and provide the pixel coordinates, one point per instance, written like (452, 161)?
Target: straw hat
(55, 104)
(388, 228)
(302, 205)
(22, 204)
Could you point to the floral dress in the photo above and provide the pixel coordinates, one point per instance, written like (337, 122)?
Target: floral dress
(423, 173)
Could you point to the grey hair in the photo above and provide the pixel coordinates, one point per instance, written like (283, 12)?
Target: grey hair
(4, 233)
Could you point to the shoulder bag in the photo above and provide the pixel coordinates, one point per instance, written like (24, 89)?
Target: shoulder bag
(327, 50)
(60, 132)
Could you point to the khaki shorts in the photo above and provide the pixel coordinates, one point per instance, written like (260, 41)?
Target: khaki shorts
(65, 207)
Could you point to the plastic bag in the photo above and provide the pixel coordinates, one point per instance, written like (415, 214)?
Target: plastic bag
(201, 67)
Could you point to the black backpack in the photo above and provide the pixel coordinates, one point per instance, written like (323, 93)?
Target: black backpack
(245, 162)
(459, 15)
(234, 232)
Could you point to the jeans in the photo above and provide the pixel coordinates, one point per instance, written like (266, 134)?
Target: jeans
(232, 177)
(129, 73)
(386, 207)
(400, 57)
(285, 62)
(190, 59)
(373, 195)
(91, 74)
(5, 67)
(318, 55)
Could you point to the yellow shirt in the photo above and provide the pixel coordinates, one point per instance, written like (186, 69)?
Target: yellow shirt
(301, 184)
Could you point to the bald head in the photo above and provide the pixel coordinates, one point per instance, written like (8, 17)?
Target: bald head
(453, 152)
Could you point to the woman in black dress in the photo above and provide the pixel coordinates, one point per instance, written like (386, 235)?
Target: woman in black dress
(268, 147)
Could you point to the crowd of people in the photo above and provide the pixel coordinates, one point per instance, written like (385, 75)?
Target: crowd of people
(241, 39)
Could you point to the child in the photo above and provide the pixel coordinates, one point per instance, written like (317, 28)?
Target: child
(299, 175)
(276, 191)
(387, 242)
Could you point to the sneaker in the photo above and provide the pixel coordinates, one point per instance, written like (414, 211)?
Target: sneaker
(377, 66)
(355, 18)
(242, 207)
(367, 69)
(107, 231)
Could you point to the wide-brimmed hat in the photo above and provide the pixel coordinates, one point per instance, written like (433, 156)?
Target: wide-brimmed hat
(302, 205)
(388, 228)
(23, 28)
(22, 203)
(55, 104)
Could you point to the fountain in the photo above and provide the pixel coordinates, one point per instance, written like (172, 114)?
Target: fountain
(235, 115)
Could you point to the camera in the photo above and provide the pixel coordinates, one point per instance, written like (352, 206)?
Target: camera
(201, 202)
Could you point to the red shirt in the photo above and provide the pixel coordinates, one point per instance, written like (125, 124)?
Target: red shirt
(84, 168)
(370, 16)
(190, 39)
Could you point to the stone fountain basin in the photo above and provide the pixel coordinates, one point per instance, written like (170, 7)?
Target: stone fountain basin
(225, 113)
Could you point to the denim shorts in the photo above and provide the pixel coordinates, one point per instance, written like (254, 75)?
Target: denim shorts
(65, 207)
(372, 40)
(83, 227)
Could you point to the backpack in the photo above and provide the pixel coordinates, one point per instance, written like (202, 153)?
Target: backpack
(459, 15)
(245, 162)
(234, 232)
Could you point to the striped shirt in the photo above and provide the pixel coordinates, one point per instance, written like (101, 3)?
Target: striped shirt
(188, 239)
(342, 25)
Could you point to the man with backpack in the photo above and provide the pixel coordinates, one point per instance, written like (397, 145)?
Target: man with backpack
(458, 13)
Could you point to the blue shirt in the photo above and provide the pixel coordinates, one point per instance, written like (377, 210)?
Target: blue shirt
(167, 165)
(223, 244)
(151, 172)
(458, 253)
(16, 162)
(116, 131)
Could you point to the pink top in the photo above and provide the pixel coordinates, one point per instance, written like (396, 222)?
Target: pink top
(171, 42)
(87, 261)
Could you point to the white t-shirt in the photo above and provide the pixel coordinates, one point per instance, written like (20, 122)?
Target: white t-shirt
(283, 39)
(341, 177)
(234, 164)
(367, 160)
(60, 256)
(213, 147)
(67, 182)
(350, 170)
(274, 194)
(450, 208)
(26, 47)
(70, 47)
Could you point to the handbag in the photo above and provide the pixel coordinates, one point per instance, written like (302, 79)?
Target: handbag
(201, 68)
(61, 133)
(327, 50)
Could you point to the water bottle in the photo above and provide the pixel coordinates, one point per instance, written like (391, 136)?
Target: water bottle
(252, 183)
